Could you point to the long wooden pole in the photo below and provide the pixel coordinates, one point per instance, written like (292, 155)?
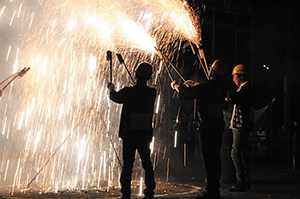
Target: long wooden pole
(169, 62)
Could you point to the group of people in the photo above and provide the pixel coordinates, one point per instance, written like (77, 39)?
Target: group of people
(136, 124)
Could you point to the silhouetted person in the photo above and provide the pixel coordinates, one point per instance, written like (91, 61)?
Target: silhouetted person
(136, 128)
(210, 98)
(241, 125)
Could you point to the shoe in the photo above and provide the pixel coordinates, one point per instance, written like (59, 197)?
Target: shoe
(208, 195)
(149, 194)
(239, 188)
(148, 197)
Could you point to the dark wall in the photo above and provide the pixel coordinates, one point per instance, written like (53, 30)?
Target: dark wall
(257, 33)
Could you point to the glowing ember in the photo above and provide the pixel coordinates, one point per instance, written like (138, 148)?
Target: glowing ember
(62, 102)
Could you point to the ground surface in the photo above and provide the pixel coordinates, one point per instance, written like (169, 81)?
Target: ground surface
(268, 180)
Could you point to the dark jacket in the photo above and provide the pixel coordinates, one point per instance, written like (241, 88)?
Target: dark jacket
(243, 112)
(137, 112)
(210, 102)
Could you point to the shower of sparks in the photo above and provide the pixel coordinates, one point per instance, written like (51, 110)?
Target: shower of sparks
(64, 94)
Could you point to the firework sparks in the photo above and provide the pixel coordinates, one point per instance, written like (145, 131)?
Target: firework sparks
(63, 98)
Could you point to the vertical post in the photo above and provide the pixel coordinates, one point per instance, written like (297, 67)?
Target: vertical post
(213, 33)
(271, 133)
(288, 73)
(270, 117)
(252, 48)
(286, 83)
(286, 116)
(168, 170)
(235, 40)
(184, 154)
(294, 152)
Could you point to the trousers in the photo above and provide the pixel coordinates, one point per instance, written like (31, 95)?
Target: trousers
(211, 141)
(239, 155)
(129, 148)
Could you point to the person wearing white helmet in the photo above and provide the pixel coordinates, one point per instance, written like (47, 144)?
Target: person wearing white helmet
(136, 128)
(210, 97)
(241, 124)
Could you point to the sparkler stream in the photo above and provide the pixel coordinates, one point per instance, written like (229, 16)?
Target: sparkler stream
(64, 93)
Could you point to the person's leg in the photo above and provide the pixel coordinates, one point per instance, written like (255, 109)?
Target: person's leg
(245, 158)
(126, 175)
(236, 154)
(238, 145)
(144, 152)
(211, 141)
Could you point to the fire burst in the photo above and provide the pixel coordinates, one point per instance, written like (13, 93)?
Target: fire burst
(58, 121)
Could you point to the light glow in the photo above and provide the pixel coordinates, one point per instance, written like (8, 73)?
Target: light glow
(58, 115)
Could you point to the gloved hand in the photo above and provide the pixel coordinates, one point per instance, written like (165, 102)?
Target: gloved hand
(110, 86)
(190, 83)
(174, 86)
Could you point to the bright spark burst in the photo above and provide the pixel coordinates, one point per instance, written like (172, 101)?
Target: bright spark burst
(64, 43)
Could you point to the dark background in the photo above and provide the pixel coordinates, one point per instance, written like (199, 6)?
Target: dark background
(257, 33)
(261, 34)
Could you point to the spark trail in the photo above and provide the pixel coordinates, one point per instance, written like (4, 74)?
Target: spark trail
(64, 43)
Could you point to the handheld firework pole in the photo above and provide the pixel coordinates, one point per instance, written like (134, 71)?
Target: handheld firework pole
(200, 55)
(168, 70)
(109, 58)
(166, 60)
(18, 74)
(121, 60)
